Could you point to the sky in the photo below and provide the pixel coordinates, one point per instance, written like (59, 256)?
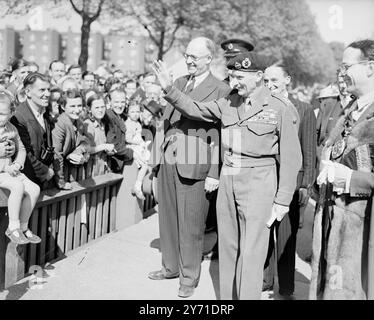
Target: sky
(337, 20)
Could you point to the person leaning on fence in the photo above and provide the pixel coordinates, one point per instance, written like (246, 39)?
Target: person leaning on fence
(34, 128)
(96, 132)
(115, 131)
(69, 137)
(23, 193)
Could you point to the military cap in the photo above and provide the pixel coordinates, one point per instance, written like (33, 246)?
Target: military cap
(244, 62)
(153, 107)
(233, 47)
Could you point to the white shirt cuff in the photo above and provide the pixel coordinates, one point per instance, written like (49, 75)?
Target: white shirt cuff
(348, 181)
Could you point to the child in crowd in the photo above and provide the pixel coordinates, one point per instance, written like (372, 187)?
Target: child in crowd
(23, 193)
(69, 137)
(95, 127)
(55, 102)
(136, 142)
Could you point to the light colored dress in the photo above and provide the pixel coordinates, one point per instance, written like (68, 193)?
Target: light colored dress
(96, 135)
(9, 132)
(135, 140)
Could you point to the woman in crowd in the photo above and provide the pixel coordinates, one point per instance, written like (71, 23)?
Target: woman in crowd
(55, 102)
(96, 132)
(69, 137)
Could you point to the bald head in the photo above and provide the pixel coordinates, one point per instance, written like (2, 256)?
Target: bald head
(199, 54)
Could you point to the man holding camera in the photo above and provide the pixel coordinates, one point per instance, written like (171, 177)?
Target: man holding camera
(35, 131)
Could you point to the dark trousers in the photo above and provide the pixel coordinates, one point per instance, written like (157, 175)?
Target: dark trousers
(286, 233)
(183, 208)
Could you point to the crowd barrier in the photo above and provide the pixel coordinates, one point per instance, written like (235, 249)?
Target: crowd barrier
(68, 219)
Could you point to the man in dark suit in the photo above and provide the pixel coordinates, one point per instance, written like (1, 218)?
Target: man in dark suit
(34, 128)
(188, 172)
(277, 79)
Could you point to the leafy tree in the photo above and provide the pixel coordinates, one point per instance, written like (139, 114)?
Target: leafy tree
(89, 10)
(337, 50)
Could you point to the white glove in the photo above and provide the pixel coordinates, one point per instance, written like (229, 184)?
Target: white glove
(337, 174)
(277, 213)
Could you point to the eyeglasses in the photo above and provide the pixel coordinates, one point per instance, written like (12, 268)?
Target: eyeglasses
(194, 58)
(343, 68)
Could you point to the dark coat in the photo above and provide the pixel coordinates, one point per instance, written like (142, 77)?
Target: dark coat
(116, 134)
(210, 89)
(35, 140)
(308, 143)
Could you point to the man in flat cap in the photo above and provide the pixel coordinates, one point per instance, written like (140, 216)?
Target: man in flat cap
(257, 127)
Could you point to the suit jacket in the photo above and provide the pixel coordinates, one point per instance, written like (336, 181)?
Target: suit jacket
(35, 140)
(308, 143)
(196, 162)
(115, 130)
(67, 138)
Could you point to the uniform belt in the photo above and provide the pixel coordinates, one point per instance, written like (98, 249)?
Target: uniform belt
(238, 161)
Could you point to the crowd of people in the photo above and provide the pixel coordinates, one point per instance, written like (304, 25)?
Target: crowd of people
(240, 156)
(66, 117)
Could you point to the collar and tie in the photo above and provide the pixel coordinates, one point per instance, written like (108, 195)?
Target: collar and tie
(190, 85)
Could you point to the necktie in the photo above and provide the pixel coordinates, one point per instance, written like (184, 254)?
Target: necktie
(190, 85)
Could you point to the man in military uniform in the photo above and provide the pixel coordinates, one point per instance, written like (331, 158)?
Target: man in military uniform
(256, 127)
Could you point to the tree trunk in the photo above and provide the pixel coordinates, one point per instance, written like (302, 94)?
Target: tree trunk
(85, 36)
(160, 54)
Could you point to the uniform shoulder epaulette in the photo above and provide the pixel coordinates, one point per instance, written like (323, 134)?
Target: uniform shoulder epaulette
(285, 101)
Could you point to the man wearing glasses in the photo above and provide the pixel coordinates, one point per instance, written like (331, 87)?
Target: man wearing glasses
(188, 172)
(343, 236)
(257, 128)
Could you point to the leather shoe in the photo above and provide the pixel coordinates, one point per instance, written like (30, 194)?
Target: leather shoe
(160, 275)
(185, 291)
(266, 288)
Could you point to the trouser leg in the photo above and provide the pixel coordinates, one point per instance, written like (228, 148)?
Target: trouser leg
(168, 222)
(286, 247)
(254, 191)
(192, 208)
(228, 237)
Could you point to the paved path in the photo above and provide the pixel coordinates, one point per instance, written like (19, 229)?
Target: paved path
(116, 267)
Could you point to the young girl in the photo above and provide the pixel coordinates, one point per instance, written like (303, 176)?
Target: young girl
(95, 128)
(23, 193)
(136, 142)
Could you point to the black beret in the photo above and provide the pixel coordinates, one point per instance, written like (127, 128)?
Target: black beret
(233, 47)
(249, 61)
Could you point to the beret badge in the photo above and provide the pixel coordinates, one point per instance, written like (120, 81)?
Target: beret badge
(246, 63)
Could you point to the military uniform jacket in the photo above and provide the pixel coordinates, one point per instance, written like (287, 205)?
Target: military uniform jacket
(265, 130)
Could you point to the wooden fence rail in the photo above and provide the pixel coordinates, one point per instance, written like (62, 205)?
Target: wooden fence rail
(68, 219)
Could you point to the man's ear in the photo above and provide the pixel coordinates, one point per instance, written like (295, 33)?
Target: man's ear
(260, 76)
(370, 72)
(288, 80)
(27, 91)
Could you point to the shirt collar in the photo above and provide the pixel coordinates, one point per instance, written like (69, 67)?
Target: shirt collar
(201, 77)
(35, 109)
